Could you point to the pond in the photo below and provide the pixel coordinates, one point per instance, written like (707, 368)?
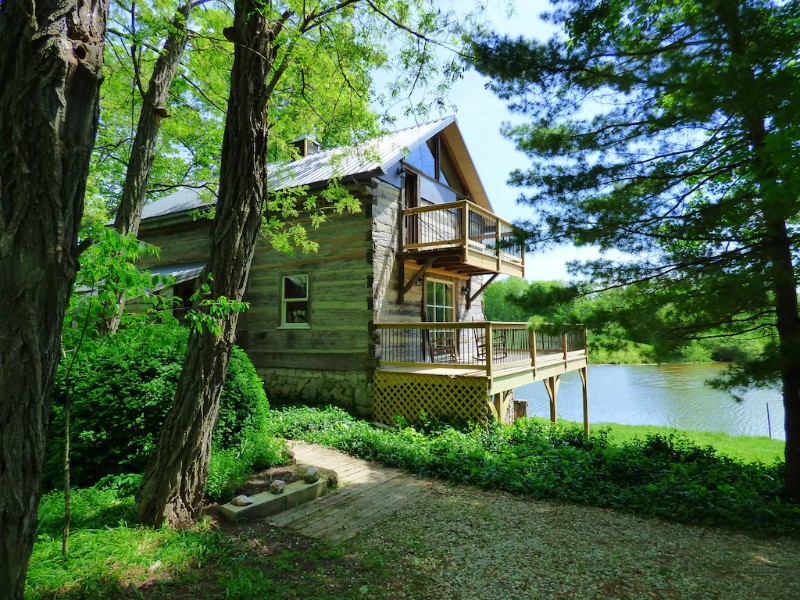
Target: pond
(670, 395)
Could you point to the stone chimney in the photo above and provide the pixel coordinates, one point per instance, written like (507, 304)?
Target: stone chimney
(305, 146)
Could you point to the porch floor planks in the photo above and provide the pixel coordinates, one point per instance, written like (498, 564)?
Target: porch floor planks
(367, 494)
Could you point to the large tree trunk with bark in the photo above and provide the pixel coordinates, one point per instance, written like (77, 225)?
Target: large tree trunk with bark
(51, 54)
(784, 284)
(143, 151)
(777, 208)
(174, 481)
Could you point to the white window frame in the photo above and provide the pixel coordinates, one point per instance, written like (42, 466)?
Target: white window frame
(453, 305)
(286, 301)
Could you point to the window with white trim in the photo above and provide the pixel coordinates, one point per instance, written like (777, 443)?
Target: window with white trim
(295, 301)
(439, 301)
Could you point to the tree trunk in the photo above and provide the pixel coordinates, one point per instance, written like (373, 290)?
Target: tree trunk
(174, 482)
(143, 151)
(784, 286)
(51, 55)
(777, 209)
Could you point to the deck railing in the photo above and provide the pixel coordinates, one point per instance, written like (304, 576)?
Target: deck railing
(481, 345)
(460, 224)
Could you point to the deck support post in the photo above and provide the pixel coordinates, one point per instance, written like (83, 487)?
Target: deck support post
(488, 348)
(497, 242)
(497, 406)
(551, 385)
(465, 229)
(584, 373)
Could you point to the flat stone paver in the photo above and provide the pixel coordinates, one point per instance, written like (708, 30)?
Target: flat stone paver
(367, 493)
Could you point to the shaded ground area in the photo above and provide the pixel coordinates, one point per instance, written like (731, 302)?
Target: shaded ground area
(451, 542)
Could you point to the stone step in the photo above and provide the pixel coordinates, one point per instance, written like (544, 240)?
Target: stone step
(267, 504)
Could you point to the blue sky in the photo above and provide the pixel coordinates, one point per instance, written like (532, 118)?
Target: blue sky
(480, 115)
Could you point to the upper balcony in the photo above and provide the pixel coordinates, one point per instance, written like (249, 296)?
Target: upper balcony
(462, 237)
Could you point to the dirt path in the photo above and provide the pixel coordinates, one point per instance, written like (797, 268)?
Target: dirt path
(441, 541)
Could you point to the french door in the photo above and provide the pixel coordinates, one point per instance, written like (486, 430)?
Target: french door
(439, 305)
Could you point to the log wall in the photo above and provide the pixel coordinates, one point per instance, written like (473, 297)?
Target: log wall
(354, 280)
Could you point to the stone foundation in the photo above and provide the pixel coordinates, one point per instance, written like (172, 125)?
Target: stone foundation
(350, 391)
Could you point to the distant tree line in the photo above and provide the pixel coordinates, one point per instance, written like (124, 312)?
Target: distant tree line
(621, 331)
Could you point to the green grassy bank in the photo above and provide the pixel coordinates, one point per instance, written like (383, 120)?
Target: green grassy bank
(746, 448)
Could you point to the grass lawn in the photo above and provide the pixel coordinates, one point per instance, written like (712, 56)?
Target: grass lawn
(750, 449)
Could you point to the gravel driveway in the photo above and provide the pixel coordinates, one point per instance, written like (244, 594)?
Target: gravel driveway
(463, 543)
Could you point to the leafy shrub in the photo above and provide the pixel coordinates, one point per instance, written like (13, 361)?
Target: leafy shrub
(122, 387)
(730, 353)
(692, 352)
(664, 476)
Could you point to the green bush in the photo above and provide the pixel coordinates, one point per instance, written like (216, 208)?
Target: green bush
(122, 387)
(692, 352)
(664, 476)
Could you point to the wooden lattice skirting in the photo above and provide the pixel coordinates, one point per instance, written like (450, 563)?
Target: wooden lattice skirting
(437, 396)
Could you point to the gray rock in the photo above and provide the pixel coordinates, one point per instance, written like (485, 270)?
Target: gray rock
(277, 486)
(242, 501)
(331, 476)
(311, 475)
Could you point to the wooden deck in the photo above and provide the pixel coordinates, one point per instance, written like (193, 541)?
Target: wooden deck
(461, 237)
(367, 494)
(467, 370)
(515, 372)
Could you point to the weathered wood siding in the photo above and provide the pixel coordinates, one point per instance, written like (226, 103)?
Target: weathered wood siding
(180, 240)
(327, 362)
(330, 360)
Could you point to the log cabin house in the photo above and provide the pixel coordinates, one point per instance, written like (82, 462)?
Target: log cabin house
(386, 318)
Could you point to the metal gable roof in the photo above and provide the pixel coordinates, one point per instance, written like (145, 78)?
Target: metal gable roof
(370, 157)
(181, 201)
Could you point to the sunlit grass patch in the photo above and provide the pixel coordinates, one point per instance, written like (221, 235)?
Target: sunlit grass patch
(747, 448)
(103, 560)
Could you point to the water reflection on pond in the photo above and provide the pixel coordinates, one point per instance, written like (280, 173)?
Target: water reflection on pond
(672, 395)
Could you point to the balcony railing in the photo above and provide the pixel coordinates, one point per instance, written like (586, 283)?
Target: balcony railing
(462, 224)
(477, 345)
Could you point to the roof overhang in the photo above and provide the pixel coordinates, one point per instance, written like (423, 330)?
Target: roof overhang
(180, 272)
